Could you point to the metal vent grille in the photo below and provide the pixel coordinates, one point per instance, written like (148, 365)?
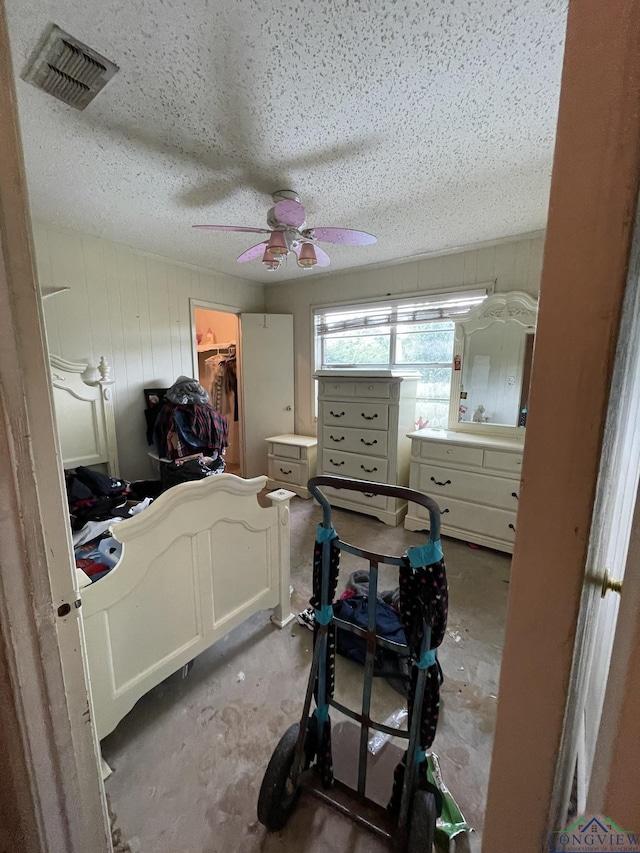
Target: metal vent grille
(67, 69)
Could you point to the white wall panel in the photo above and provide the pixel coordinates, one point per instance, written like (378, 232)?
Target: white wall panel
(134, 310)
(514, 265)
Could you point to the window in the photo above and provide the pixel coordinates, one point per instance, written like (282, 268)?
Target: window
(412, 335)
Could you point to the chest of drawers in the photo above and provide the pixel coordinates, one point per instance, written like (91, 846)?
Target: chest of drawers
(292, 462)
(474, 479)
(363, 417)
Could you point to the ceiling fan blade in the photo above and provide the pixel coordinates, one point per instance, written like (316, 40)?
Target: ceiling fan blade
(323, 259)
(346, 236)
(290, 212)
(252, 253)
(232, 228)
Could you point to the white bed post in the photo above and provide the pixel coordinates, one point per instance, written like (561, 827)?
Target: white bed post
(282, 614)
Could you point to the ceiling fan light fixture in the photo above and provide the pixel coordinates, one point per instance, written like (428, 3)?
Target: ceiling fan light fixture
(277, 246)
(269, 261)
(307, 257)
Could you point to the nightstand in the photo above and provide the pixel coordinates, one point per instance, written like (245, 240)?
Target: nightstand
(292, 462)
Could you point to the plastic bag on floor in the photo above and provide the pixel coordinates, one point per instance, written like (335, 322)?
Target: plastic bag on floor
(451, 822)
(378, 739)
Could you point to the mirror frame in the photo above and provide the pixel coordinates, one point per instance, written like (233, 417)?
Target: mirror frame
(498, 308)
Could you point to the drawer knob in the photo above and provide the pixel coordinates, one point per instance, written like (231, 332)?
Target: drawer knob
(368, 417)
(515, 495)
(368, 470)
(337, 464)
(369, 494)
(438, 483)
(442, 511)
(282, 471)
(512, 527)
(337, 439)
(337, 414)
(369, 443)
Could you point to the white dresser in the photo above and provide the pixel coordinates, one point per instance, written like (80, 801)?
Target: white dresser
(474, 478)
(292, 462)
(363, 418)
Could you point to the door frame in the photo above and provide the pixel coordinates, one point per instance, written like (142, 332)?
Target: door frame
(52, 796)
(594, 191)
(224, 309)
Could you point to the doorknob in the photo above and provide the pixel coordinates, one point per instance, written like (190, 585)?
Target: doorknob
(288, 409)
(608, 584)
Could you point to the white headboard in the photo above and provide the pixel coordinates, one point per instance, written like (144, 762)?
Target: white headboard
(84, 414)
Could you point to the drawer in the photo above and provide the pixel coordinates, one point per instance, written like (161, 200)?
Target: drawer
(442, 451)
(361, 498)
(285, 472)
(503, 461)
(289, 451)
(374, 389)
(330, 389)
(479, 488)
(469, 517)
(354, 465)
(363, 415)
(370, 441)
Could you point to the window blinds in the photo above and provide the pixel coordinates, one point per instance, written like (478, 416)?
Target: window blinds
(400, 312)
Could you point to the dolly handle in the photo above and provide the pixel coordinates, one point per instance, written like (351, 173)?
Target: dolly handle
(389, 491)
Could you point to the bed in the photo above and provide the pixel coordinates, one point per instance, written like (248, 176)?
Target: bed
(195, 564)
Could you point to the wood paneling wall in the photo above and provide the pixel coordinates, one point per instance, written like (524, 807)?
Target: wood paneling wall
(514, 265)
(134, 310)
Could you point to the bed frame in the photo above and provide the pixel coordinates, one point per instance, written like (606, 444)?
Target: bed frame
(84, 413)
(199, 561)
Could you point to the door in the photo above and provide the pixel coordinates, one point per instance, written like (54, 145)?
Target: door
(267, 395)
(611, 531)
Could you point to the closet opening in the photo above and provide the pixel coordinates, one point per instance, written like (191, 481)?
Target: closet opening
(215, 341)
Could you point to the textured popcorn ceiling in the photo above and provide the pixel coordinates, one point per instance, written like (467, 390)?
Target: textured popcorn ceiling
(429, 123)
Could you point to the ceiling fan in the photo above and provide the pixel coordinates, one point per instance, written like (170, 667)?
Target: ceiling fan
(286, 221)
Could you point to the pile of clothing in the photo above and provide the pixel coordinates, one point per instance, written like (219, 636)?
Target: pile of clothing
(93, 496)
(97, 501)
(353, 606)
(186, 423)
(189, 434)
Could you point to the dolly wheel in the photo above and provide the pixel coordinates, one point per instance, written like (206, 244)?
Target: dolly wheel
(278, 797)
(422, 823)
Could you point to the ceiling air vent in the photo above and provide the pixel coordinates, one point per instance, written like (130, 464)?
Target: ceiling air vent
(67, 69)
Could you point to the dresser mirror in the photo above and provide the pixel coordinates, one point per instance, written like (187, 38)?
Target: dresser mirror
(493, 350)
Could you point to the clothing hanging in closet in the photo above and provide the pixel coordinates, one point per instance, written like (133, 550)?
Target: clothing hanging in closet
(222, 381)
